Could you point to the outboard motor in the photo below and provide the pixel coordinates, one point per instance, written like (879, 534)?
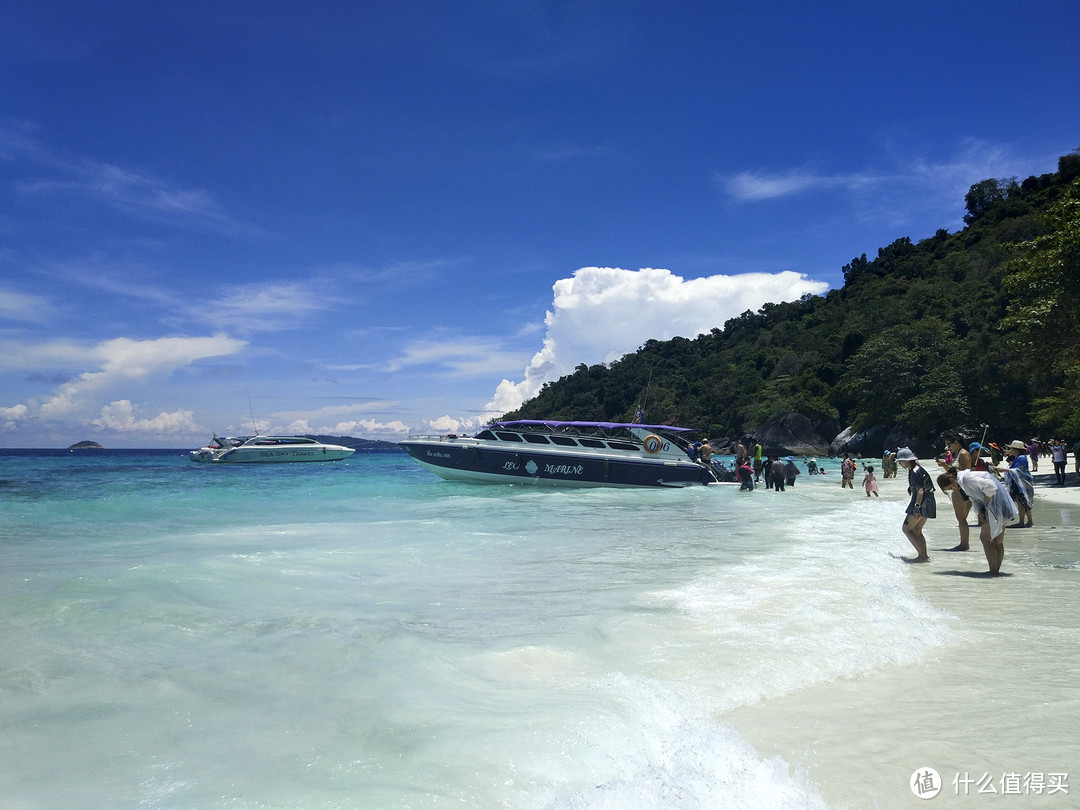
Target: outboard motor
(721, 473)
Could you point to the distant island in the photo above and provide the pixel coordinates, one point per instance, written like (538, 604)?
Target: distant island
(87, 445)
(360, 445)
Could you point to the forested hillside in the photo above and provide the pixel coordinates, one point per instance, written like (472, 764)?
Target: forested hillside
(978, 326)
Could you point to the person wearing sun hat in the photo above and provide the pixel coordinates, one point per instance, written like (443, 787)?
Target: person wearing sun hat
(1018, 481)
(921, 507)
(979, 461)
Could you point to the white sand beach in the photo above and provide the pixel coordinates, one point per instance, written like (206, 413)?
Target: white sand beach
(999, 698)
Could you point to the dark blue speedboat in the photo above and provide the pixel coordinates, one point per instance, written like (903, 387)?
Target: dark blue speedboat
(567, 454)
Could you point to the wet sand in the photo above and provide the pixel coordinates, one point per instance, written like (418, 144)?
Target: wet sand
(999, 697)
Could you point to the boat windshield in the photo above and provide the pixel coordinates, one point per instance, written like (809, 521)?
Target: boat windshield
(616, 435)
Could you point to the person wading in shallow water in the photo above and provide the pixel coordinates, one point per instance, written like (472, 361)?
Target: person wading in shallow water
(921, 507)
(994, 506)
(847, 472)
(961, 504)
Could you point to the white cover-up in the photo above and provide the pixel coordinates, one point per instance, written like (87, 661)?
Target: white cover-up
(990, 498)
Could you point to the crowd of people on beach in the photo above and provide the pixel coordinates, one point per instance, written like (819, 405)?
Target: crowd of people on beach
(993, 480)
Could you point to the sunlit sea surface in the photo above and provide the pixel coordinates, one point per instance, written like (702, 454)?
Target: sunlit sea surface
(362, 634)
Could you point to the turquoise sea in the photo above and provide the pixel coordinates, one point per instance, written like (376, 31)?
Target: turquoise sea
(362, 634)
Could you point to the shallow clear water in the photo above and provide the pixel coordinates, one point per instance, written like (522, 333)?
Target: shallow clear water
(363, 634)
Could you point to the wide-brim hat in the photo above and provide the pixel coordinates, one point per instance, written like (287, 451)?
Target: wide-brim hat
(905, 454)
(1018, 445)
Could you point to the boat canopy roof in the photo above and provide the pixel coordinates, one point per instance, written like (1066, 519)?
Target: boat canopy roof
(555, 424)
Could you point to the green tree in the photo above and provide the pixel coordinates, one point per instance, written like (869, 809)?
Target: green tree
(984, 195)
(1044, 287)
(910, 375)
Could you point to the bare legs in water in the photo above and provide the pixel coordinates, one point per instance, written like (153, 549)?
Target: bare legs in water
(913, 525)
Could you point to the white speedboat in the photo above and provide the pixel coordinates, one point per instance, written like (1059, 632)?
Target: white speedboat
(567, 454)
(268, 450)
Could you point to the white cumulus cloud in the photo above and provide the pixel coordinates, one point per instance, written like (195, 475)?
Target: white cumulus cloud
(125, 359)
(603, 313)
(120, 416)
(348, 427)
(11, 417)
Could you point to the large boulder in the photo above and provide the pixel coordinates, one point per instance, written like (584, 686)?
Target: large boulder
(900, 436)
(791, 434)
(875, 440)
(869, 443)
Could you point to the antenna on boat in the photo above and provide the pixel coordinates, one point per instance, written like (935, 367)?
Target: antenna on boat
(639, 414)
(251, 410)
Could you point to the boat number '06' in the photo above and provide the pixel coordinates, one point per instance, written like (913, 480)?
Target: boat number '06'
(654, 444)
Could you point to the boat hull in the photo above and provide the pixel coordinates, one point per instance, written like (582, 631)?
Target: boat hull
(476, 463)
(272, 454)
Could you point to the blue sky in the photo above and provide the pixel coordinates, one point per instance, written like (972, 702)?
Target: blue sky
(382, 218)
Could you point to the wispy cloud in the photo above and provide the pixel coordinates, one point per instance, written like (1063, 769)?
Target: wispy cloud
(24, 307)
(456, 356)
(752, 186)
(51, 172)
(944, 178)
(263, 307)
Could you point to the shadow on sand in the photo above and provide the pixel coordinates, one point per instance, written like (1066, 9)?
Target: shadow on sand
(973, 574)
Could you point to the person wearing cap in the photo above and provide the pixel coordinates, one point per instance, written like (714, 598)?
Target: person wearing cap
(888, 464)
(978, 460)
(921, 507)
(1019, 482)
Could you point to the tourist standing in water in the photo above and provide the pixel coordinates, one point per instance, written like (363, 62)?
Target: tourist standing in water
(790, 471)
(961, 504)
(921, 507)
(869, 483)
(1019, 482)
(847, 472)
(993, 504)
(776, 474)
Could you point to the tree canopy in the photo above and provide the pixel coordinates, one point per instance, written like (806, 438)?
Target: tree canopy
(978, 326)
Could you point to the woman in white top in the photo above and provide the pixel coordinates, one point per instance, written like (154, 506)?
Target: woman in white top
(995, 508)
(1057, 451)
